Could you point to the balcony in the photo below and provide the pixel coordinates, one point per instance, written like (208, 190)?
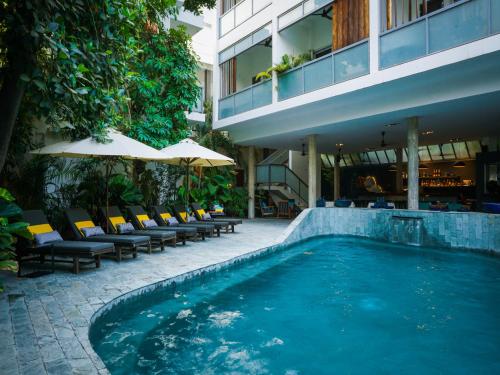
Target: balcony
(239, 13)
(342, 65)
(252, 97)
(449, 27)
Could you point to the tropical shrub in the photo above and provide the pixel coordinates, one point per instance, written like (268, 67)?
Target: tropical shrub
(11, 227)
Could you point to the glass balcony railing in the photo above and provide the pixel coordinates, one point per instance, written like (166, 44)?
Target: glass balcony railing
(240, 13)
(449, 27)
(252, 97)
(342, 65)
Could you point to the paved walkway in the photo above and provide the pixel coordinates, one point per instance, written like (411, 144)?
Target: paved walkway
(44, 321)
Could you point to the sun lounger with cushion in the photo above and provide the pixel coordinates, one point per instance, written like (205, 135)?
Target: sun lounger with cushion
(118, 225)
(141, 219)
(79, 220)
(202, 215)
(184, 217)
(46, 241)
(162, 215)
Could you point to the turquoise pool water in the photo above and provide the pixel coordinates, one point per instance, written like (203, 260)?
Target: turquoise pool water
(325, 306)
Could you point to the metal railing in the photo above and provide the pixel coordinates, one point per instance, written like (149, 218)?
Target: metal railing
(272, 174)
(252, 97)
(451, 26)
(239, 13)
(342, 65)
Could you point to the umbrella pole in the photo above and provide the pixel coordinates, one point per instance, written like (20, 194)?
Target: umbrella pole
(187, 187)
(108, 172)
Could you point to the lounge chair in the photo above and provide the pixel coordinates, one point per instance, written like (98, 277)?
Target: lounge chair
(76, 250)
(138, 215)
(164, 217)
(201, 215)
(124, 244)
(184, 217)
(115, 220)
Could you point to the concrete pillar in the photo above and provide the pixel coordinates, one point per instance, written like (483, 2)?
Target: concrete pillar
(336, 178)
(251, 182)
(312, 170)
(399, 170)
(412, 124)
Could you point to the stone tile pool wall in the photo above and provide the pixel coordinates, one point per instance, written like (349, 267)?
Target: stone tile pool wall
(468, 230)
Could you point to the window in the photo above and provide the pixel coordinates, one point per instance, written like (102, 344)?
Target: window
(400, 12)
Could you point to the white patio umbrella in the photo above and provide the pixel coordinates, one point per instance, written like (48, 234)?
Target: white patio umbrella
(118, 146)
(188, 153)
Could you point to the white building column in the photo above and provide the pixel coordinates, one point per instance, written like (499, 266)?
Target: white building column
(336, 177)
(312, 170)
(399, 170)
(251, 182)
(412, 124)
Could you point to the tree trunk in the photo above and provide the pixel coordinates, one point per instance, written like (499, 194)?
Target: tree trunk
(11, 95)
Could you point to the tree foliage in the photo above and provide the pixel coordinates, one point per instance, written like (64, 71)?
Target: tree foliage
(68, 62)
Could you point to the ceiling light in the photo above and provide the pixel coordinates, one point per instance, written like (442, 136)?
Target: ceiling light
(428, 132)
(459, 164)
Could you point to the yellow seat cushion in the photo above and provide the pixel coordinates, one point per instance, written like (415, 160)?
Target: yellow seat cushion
(183, 216)
(141, 218)
(165, 216)
(40, 228)
(201, 212)
(84, 224)
(116, 220)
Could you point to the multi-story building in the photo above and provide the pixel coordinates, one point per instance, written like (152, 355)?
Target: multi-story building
(352, 76)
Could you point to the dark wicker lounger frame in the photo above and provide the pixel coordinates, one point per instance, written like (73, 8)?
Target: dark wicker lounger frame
(203, 229)
(158, 239)
(179, 209)
(80, 252)
(122, 246)
(182, 233)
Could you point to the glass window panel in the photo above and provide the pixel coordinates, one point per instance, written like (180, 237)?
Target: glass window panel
(405, 155)
(381, 157)
(356, 159)
(262, 34)
(347, 160)
(365, 159)
(435, 152)
(226, 107)
(311, 5)
(243, 11)
(243, 45)
(351, 63)
(226, 54)
(474, 146)
(227, 22)
(326, 162)
(495, 16)
(243, 101)
(289, 17)
(342, 162)
(318, 74)
(405, 44)
(423, 154)
(373, 157)
(458, 25)
(290, 84)
(391, 156)
(263, 94)
(461, 150)
(448, 151)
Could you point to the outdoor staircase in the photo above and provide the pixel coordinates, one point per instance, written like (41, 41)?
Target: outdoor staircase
(277, 157)
(281, 183)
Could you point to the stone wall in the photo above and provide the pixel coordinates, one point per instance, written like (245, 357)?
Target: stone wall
(470, 230)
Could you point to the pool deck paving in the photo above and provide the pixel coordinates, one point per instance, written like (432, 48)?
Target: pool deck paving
(44, 321)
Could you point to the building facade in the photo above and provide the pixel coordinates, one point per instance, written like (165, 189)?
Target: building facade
(320, 77)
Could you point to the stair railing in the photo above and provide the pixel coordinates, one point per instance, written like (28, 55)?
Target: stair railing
(280, 174)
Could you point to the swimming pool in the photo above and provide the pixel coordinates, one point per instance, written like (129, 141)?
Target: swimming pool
(339, 305)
